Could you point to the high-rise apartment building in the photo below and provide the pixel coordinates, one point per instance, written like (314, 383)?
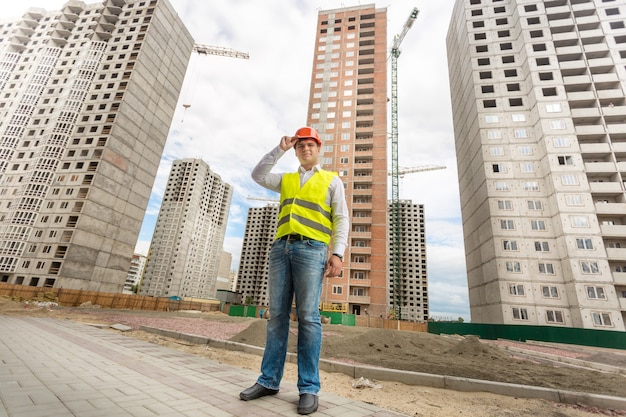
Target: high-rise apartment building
(538, 97)
(137, 265)
(348, 107)
(88, 94)
(186, 246)
(412, 295)
(258, 237)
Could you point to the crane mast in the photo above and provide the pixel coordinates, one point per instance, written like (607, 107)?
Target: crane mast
(396, 263)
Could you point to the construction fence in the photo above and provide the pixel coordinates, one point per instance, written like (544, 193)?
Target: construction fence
(74, 298)
(552, 334)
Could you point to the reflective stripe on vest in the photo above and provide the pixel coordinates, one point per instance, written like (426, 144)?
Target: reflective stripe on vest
(304, 210)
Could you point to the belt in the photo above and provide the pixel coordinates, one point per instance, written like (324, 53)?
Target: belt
(294, 236)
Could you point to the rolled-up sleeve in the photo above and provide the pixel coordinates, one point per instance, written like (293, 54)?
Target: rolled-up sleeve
(341, 219)
(261, 174)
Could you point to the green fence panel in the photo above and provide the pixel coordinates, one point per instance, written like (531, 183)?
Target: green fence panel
(340, 318)
(250, 311)
(236, 311)
(348, 320)
(553, 334)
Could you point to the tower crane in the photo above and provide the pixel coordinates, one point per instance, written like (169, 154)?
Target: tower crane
(219, 50)
(269, 200)
(421, 168)
(395, 193)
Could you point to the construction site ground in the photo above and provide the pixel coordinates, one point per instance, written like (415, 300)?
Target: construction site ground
(563, 367)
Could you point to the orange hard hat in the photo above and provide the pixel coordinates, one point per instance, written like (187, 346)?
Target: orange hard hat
(308, 133)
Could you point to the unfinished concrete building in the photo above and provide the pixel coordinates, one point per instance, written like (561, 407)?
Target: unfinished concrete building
(539, 103)
(258, 237)
(88, 94)
(186, 247)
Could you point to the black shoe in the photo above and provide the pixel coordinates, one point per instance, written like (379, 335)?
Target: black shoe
(256, 391)
(307, 404)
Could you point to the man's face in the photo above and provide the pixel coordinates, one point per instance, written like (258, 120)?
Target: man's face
(307, 151)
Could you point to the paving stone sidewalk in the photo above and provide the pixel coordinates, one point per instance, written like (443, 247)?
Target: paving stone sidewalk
(55, 368)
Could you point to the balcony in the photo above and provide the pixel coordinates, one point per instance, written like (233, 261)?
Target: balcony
(360, 192)
(363, 266)
(615, 94)
(361, 250)
(358, 299)
(605, 78)
(616, 254)
(600, 167)
(617, 111)
(363, 282)
(585, 112)
(589, 149)
(617, 129)
(590, 130)
(613, 230)
(361, 220)
(596, 47)
(581, 96)
(619, 278)
(611, 208)
(619, 147)
(605, 187)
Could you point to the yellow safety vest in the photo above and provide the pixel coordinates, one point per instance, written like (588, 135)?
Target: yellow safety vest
(304, 210)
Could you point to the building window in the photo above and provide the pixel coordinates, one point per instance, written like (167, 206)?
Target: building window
(531, 186)
(553, 108)
(507, 225)
(574, 200)
(337, 289)
(595, 293)
(580, 221)
(584, 244)
(520, 313)
(549, 92)
(513, 266)
(498, 168)
(602, 319)
(589, 267)
(542, 247)
(516, 289)
(520, 133)
(549, 291)
(535, 205)
(509, 245)
(554, 316)
(566, 160)
(501, 186)
(505, 205)
(569, 180)
(538, 225)
(545, 268)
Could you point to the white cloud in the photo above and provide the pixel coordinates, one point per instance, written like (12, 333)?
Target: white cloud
(238, 110)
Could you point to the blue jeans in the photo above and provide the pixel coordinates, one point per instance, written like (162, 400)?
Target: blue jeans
(295, 267)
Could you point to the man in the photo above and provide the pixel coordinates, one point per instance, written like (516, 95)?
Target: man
(313, 213)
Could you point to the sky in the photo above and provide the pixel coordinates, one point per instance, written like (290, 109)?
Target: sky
(232, 111)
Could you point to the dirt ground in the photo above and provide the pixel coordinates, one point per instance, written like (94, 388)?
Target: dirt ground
(422, 352)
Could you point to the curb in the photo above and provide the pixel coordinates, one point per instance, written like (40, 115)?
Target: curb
(418, 378)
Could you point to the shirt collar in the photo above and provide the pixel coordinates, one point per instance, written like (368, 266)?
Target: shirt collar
(316, 168)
